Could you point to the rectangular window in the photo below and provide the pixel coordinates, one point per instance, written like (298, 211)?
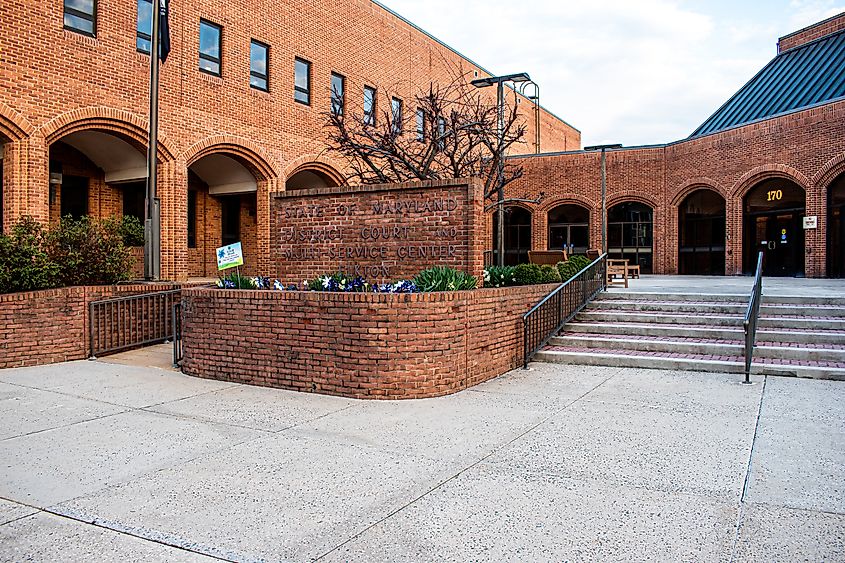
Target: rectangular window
(302, 81)
(81, 16)
(396, 114)
(369, 105)
(441, 133)
(144, 29)
(210, 47)
(259, 56)
(192, 219)
(338, 95)
(420, 125)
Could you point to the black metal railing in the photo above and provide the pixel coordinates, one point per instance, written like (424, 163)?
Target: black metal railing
(177, 334)
(121, 323)
(749, 325)
(557, 308)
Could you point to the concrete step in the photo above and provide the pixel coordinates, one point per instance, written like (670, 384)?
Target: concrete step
(716, 347)
(704, 332)
(725, 308)
(720, 298)
(710, 319)
(687, 362)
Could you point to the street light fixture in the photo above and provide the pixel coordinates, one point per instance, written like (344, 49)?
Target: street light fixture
(603, 148)
(535, 99)
(499, 81)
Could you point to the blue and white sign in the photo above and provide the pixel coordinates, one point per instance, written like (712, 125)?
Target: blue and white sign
(230, 256)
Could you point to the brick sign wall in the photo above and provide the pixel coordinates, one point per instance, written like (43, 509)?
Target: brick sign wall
(382, 232)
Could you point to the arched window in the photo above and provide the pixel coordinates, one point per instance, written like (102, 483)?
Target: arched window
(569, 228)
(630, 232)
(701, 234)
(517, 235)
(836, 228)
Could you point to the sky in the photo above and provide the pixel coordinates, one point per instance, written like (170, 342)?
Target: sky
(635, 72)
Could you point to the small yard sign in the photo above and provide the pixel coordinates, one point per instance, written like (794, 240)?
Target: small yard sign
(230, 256)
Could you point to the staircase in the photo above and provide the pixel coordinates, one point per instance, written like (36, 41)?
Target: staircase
(796, 336)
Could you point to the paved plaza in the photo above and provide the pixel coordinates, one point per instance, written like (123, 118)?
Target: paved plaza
(108, 462)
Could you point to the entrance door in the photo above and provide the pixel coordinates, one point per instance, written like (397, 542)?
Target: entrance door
(74, 196)
(836, 228)
(569, 228)
(701, 236)
(230, 219)
(773, 224)
(517, 235)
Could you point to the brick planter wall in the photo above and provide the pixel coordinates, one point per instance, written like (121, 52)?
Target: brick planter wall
(356, 345)
(49, 326)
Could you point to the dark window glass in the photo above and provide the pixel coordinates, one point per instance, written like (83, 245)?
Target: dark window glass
(421, 125)
(134, 197)
(192, 219)
(259, 56)
(1, 195)
(517, 235)
(302, 81)
(74, 196)
(210, 47)
(441, 133)
(369, 105)
(230, 219)
(396, 114)
(569, 228)
(338, 93)
(81, 16)
(144, 30)
(629, 234)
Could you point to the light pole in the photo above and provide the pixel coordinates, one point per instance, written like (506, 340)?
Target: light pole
(603, 148)
(499, 81)
(535, 99)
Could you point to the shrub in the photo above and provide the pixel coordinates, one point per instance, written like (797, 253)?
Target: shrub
(580, 261)
(527, 274)
(24, 264)
(444, 278)
(566, 270)
(234, 280)
(88, 251)
(132, 231)
(549, 274)
(499, 276)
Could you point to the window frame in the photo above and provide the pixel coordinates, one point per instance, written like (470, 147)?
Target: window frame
(341, 106)
(421, 122)
(370, 116)
(255, 74)
(208, 58)
(141, 34)
(296, 89)
(92, 17)
(396, 103)
(441, 132)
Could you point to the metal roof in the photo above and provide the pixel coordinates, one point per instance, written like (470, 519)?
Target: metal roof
(802, 77)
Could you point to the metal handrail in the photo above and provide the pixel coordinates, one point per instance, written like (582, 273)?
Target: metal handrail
(177, 334)
(557, 308)
(749, 325)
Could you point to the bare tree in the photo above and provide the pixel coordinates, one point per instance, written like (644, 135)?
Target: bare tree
(449, 132)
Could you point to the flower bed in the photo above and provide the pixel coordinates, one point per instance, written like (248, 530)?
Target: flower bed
(354, 344)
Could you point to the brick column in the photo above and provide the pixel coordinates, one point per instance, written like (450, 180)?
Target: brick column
(25, 181)
(173, 193)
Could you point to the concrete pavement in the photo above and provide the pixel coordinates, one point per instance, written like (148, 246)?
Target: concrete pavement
(106, 462)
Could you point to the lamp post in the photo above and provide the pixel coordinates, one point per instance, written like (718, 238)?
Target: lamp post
(603, 148)
(499, 81)
(535, 99)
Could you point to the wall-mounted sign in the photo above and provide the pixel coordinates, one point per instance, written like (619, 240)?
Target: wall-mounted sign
(230, 256)
(811, 222)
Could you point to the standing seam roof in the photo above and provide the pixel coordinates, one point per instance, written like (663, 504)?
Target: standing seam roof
(805, 76)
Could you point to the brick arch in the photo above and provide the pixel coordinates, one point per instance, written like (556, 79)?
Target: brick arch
(315, 163)
(765, 172)
(829, 172)
(571, 199)
(13, 125)
(626, 198)
(695, 184)
(110, 120)
(258, 160)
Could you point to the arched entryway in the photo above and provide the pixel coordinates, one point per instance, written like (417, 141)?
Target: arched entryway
(221, 210)
(569, 228)
(836, 228)
(313, 175)
(772, 222)
(630, 227)
(517, 235)
(701, 233)
(96, 172)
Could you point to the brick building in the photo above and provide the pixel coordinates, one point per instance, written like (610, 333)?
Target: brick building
(243, 99)
(742, 182)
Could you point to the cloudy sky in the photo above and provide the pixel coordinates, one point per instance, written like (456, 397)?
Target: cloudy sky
(622, 71)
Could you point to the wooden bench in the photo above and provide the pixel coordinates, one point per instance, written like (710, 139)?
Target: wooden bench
(551, 257)
(617, 272)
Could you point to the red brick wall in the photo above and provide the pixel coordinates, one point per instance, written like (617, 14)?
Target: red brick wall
(49, 326)
(383, 233)
(807, 147)
(800, 37)
(356, 345)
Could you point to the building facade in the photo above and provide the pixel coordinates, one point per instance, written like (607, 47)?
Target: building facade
(765, 173)
(243, 98)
